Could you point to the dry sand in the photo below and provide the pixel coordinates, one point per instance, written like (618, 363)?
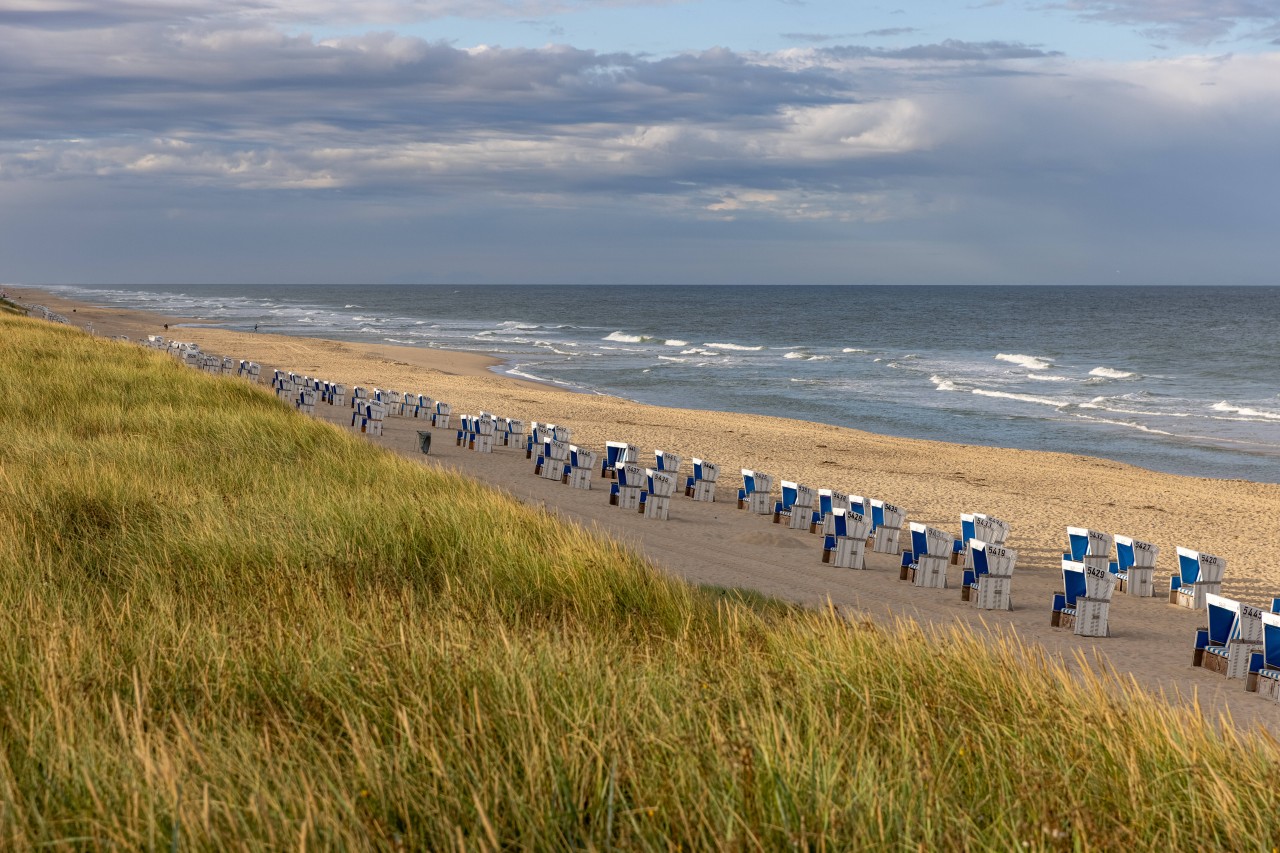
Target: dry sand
(1039, 493)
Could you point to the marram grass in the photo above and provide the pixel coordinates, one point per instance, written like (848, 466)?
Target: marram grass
(228, 625)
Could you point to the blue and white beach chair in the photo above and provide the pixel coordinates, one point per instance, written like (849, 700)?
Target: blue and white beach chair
(1199, 574)
(702, 485)
(668, 462)
(987, 583)
(796, 505)
(756, 493)
(553, 461)
(1264, 666)
(582, 465)
(1233, 634)
(655, 500)
(631, 480)
(616, 453)
(977, 525)
(1134, 566)
(828, 500)
(846, 545)
(926, 563)
(886, 525)
(1091, 547)
(1084, 605)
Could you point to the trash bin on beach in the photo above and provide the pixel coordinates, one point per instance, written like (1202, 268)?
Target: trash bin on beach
(424, 440)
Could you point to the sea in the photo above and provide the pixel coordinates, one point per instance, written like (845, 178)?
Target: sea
(1177, 379)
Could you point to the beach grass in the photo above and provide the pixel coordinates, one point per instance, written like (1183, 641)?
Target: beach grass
(229, 625)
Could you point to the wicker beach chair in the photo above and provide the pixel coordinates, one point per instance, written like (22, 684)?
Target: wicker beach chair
(702, 485)
(756, 493)
(1134, 566)
(1199, 574)
(796, 505)
(1084, 605)
(1232, 634)
(987, 582)
(846, 545)
(926, 563)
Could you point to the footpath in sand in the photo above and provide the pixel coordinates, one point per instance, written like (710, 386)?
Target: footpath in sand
(1038, 493)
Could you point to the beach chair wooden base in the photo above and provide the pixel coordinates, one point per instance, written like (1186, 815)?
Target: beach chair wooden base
(1264, 685)
(885, 540)
(847, 554)
(1087, 619)
(991, 592)
(702, 490)
(656, 507)
(926, 571)
(1192, 596)
(580, 478)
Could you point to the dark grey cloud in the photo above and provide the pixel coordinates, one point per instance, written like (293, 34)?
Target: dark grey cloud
(1193, 21)
(169, 137)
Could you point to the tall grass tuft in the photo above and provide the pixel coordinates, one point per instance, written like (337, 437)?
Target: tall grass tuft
(225, 624)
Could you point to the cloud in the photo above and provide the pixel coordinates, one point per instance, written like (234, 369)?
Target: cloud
(993, 149)
(1192, 21)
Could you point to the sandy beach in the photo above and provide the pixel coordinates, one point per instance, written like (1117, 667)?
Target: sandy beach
(1039, 493)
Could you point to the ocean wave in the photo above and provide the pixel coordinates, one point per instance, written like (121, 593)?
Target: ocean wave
(1245, 412)
(352, 306)
(1048, 377)
(734, 347)
(1128, 424)
(1111, 404)
(941, 384)
(1030, 362)
(854, 349)
(674, 342)
(1111, 373)
(623, 338)
(673, 358)
(1022, 398)
(698, 351)
(795, 355)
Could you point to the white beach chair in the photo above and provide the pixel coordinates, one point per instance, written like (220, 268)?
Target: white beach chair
(582, 465)
(755, 494)
(846, 545)
(1091, 547)
(443, 415)
(1084, 605)
(702, 485)
(886, 525)
(1232, 635)
(796, 506)
(617, 453)
(631, 480)
(1134, 567)
(926, 563)
(1264, 666)
(1198, 575)
(655, 500)
(987, 584)
(827, 500)
(668, 462)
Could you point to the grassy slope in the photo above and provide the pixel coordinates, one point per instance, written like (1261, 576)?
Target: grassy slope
(226, 624)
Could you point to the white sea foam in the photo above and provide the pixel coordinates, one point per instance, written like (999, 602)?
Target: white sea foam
(854, 349)
(1030, 362)
(672, 358)
(803, 355)
(1138, 427)
(1111, 373)
(943, 384)
(1024, 398)
(1245, 412)
(674, 342)
(623, 338)
(735, 347)
(1048, 377)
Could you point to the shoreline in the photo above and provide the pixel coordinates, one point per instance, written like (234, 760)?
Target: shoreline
(1040, 493)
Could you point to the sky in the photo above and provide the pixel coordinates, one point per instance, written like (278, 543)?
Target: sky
(163, 142)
